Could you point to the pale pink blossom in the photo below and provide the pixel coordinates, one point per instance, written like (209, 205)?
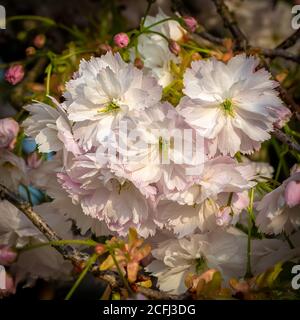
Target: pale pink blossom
(292, 194)
(279, 210)
(233, 105)
(7, 255)
(9, 129)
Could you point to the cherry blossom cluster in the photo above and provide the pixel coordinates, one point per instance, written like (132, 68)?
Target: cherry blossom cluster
(125, 157)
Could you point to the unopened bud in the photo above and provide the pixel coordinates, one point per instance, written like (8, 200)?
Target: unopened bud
(100, 249)
(39, 41)
(121, 40)
(174, 47)
(14, 74)
(190, 23)
(138, 62)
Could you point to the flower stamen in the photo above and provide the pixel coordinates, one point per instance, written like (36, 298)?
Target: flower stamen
(110, 107)
(227, 106)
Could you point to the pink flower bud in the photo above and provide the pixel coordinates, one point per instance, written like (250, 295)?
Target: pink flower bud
(14, 74)
(292, 193)
(33, 160)
(9, 130)
(39, 41)
(7, 255)
(190, 23)
(223, 217)
(121, 40)
(174, 47)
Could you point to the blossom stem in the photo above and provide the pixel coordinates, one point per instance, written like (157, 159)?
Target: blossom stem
(74, 53)
(185, 45)
(157, 23)
(48, 72)
(90, 262)
(126, 284)
(281, 164)
(158, 33)
(146, 13)
(47, 21)
(250, 225)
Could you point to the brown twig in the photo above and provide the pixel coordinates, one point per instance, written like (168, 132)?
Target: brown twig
(290, 41)
(209, 37)
(284, 138)
(69, 253)
(281, 53)
(231, 24)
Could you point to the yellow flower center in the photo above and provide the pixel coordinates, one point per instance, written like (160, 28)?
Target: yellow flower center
(110, 107)
(228, 107)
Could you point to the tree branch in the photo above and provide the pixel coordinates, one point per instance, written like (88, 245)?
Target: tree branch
(231, 24)
(69, 253)
(290, 41)
(284, 138)
(281, 53)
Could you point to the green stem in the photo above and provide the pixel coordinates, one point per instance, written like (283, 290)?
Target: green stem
(158, 33)
(121, 273)
(47, 21)
(48, 71)
(146, 14)
(75, 53)
(90, 262)
(157, 23)
(185, 45)
(281, 165)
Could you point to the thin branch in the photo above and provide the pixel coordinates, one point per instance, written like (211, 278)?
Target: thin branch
(211, 38)
(67, 251)
(284, 138)
(230, 23)
(290, 41)
(281, 53)
(77, 257)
